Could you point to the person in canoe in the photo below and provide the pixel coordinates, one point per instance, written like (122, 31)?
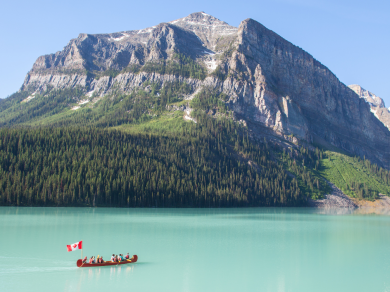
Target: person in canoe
(113, 258)
(127, 256)
(85, 260)
(101, 260)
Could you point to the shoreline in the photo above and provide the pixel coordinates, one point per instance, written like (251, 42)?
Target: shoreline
(340, 203)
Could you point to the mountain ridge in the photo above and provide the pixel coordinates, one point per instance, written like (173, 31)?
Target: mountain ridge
(377, 105)
(190, 113)
(269, 81)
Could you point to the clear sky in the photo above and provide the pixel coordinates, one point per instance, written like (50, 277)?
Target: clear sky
(350, 37)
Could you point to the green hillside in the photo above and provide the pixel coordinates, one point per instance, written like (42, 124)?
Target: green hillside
(355, 177)
(137, 150)
(203, 167)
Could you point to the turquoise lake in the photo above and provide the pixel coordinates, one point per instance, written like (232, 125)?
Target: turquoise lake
(255, 249)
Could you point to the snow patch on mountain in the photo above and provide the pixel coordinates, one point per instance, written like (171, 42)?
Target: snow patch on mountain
(146, 30)
(117, 39)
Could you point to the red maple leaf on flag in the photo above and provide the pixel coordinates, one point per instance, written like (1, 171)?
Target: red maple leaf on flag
(77, 245)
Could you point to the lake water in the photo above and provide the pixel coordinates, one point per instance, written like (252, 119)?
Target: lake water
(256, 249)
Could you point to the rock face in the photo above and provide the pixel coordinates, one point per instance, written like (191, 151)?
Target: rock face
(367, 95)
(377, 105)
(196, 35)
(336, 199)
(271, 83)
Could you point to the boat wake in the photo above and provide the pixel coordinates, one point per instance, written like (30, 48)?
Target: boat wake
(17, 265)
(19, 270)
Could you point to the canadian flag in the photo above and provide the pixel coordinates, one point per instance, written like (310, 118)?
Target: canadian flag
(74, 246)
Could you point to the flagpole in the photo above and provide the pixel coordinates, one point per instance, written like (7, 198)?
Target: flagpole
(82, 253)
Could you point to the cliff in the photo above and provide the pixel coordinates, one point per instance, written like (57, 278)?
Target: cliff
(271, 83)
(377, 105)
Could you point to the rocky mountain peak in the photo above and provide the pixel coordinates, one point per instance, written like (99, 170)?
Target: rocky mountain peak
(270, 83)
(367, 95)
(200, 18)
(377, 105)
(209, 29)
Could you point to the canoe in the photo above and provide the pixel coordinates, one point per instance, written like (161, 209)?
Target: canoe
(108, 263)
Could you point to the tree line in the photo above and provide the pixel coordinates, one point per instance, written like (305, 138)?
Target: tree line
(72, 166)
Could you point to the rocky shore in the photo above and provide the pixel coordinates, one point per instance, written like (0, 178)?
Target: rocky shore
(380, 206)
(336, 199)
(339, 203)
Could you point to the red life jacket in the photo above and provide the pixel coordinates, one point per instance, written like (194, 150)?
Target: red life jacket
(127, 256)
(90, 260)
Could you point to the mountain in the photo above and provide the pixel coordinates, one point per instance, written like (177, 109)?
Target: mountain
(377, 105)
(269, 82)
(193, 112)
(368, 96)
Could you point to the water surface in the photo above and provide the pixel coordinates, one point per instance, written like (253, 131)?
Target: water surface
(257, 249)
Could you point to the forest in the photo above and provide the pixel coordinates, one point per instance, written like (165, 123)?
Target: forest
(93, 167)
(50, 156)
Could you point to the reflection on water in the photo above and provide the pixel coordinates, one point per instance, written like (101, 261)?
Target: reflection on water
(252, 249)
(350, 211)
(378, 211)
(334, 211)
(96, 274)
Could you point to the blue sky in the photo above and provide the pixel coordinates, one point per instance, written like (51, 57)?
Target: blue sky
(351, 38)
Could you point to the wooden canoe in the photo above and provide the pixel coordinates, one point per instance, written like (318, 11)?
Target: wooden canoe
(108, 263)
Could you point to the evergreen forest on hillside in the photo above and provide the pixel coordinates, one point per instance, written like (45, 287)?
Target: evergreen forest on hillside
(88, 166)
(132, 150)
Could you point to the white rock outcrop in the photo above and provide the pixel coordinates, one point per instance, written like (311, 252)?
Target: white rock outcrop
(377, 105)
